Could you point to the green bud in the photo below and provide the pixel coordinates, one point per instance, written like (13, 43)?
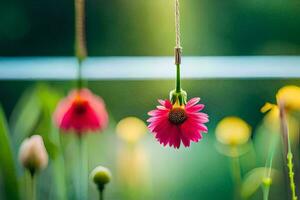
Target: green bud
(101, 176)
(267, 181)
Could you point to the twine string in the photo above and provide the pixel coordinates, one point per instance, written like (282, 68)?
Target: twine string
(178, 35)
(80, 43)
(177, 24)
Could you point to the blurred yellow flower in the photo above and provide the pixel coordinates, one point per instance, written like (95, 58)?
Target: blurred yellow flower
(272, 116)
(133, 167)
(272, 120)
(290, 96)
(131, 129)
(233, 131)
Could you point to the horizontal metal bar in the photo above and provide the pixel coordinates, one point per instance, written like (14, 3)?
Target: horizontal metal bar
(138, 68)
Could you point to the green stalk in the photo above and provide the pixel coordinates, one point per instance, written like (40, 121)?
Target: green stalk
(83, 180)
(286, 136)
(267, 178)
(79, 74)
(33, 187)
(291, 175)
(236, 175)
(178, 81)
(101, 196)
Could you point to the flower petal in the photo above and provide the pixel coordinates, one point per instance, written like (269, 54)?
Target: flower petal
(192, 102)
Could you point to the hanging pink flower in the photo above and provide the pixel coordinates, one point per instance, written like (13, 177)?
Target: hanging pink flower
(81, 111)
(175, 123)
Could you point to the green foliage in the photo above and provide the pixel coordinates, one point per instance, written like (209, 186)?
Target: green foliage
(252, 181)
(7, 163)
(33, 115)
(25, 116)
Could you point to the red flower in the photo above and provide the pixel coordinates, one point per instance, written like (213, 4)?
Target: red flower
(81, 111)
(173, 124)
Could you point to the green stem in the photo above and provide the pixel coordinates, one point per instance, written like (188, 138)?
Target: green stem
(32, 185)
(33, 188)
(79, 74)
(101, 197)
(236, 175)
(289, 157)
(83, 170)
(291, 175)
(266, 191)
(290, 166)
(268, 168)
(178, 81)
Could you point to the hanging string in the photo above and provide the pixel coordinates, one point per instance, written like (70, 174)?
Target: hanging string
(80, 43)
(177, 24)
(178, 35)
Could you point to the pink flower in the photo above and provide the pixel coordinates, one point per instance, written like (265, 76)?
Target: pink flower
(173, 124)
(81, 111)
(32, 154)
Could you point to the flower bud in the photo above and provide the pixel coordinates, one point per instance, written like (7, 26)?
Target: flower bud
(32, 154)
(101, 176)
(267, 181)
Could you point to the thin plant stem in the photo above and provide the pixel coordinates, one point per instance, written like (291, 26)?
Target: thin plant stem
(31, 186)
(79, 75)
(101, 196)
(178, 81)
(83, 169)
(268, 169)
(288, 149)
(291, 175)
(178, 46)
(236, 174)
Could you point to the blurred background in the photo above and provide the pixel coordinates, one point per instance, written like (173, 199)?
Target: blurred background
(134, 28)
(146, 28)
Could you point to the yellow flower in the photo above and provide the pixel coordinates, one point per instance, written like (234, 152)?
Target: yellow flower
(272, 116)
(290, 96)
(131, 129)
(233, 131)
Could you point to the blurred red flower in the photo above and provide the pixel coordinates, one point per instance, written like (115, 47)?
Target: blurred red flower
(81, 111)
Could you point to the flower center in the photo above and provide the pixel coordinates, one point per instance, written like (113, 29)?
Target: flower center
(80, 107)
(177, 116)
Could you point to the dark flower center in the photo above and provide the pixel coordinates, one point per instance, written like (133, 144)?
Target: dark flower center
(177, 116)
(80, 108)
